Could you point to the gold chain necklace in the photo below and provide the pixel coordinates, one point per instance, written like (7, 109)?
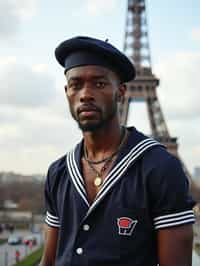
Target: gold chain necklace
(98, 179)
(100, 161)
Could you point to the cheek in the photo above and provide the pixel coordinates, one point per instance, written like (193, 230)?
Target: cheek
(108, 102)
(109, 99)
(112, 98)
(73, 102)
(71, 97)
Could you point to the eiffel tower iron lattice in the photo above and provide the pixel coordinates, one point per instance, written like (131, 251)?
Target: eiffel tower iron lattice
(144, 87)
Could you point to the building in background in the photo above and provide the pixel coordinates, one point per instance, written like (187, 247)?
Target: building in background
(10, 177)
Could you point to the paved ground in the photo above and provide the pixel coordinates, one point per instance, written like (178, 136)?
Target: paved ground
(7, 252)
(195, 259)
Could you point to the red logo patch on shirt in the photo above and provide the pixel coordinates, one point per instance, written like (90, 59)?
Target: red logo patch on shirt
(126, 225)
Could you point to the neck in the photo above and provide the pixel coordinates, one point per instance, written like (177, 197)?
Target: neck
(103, 142)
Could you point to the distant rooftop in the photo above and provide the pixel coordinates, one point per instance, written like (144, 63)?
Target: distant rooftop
(9, 177)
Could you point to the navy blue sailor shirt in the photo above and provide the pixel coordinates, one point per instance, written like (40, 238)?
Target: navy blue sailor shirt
(145, 191)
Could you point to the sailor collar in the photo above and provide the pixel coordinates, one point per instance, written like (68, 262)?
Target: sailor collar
(135, 147)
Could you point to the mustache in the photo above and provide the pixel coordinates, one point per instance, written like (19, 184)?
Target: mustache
(88, 108)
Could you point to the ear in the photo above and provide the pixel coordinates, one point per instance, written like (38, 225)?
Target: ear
(65, 87)
(121, 91)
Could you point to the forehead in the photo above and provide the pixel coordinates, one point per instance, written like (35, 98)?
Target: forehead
(90, 71)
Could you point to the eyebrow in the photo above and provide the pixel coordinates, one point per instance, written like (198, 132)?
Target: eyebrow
(73, 78)
(77, 78)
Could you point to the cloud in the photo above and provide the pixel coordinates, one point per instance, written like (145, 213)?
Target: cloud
(35, 139)
(25, 8)
(195, 34)
(179, 90)
(24, 86)
(11, 13)
(36, 128)
(10, 116)
(8, 20)
(179, 95)
(6, 61)
(97, 7)
(35, 125)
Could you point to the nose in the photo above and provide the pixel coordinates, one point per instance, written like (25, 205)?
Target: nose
(87, 93)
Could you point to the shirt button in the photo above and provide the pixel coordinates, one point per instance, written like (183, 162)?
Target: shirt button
(86, 227)
(79, 251)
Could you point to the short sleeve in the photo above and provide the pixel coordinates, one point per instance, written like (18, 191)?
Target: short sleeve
(171, 204)
(52, 218)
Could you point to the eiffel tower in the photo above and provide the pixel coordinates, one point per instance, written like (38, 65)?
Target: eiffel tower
(144, 87)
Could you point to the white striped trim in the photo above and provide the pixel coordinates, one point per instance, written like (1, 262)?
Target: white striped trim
(133, 150)
(52, 216)
(173, 215)
(75, 176)
(51, 224)
(174, 219)
(77, 171)
(189, 221)
(129, 158)
(52, 220)
(112, 177)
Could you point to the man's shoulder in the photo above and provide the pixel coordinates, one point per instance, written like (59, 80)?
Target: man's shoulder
(159, 155)
(56, 171)
(150, 149)
(159, 162)
(155, 155)
(57, 165)
(58, 168)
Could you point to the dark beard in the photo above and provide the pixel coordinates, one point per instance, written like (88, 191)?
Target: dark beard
(103, 122)
(93, 126)
(90, 127)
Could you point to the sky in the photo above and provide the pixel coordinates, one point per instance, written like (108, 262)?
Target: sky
(35, 124)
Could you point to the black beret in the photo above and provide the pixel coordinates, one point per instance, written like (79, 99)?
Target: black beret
(81, 50)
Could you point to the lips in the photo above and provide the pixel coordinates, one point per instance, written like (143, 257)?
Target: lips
(88, 112)
(87, 109)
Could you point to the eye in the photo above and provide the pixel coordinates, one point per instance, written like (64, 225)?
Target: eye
(100, 84)
(75, 85)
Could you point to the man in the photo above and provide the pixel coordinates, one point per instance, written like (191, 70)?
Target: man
(119, 198)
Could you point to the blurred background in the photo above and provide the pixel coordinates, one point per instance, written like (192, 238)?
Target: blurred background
(35, 124)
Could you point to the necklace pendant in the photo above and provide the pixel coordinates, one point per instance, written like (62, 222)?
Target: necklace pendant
(98, 181)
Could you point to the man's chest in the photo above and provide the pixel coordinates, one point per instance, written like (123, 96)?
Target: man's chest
(94, 176)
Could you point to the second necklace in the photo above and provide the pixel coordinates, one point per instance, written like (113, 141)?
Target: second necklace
(98, 180)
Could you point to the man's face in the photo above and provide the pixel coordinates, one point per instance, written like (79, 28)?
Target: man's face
(93, 93)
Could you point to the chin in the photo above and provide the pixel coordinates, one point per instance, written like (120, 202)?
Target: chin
(90, 126)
